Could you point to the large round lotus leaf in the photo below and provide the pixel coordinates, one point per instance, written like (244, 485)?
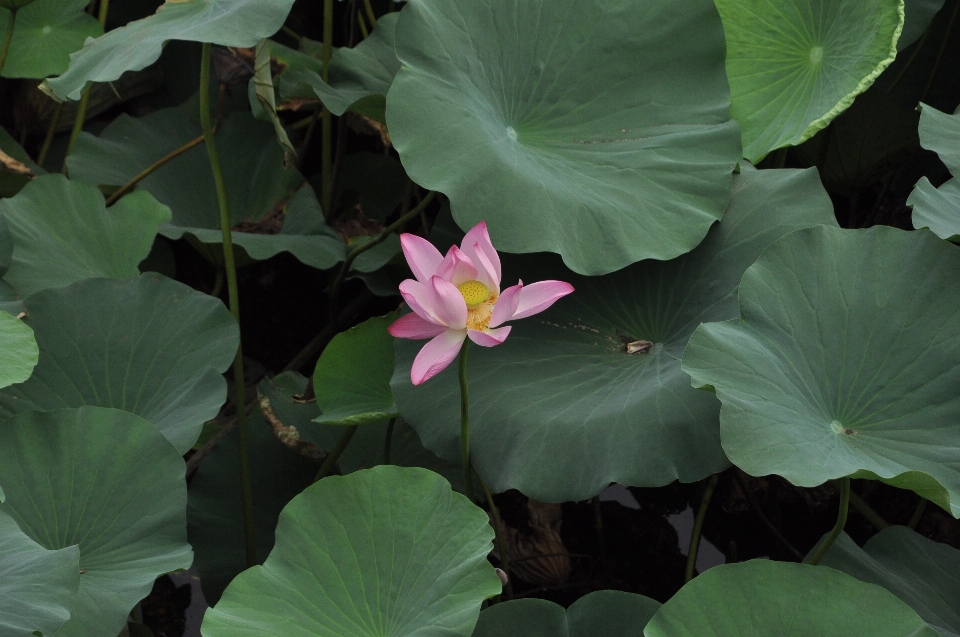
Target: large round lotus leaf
(352, 378)
(843, 362)
(215, 505)
(18, 350)
(939, 208)
(37, 587)
(267, 212)
(135, 46)
(597, 129)
(45, 33)
(62, 233)
(794, 65)
(606, 613)
(917, 15)
(763, 598)
(109, 482)
(923, 573)
(385, 551)
(561, 410)
(149, 346)
(359, 77)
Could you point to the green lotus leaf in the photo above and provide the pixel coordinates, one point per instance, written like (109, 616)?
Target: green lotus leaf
(240, 23)
(795, 65)
(842, 362)
(268, 213)
(150, 346)
(19, 354)
(264, 97)
(62, 233)
(384, 551)
(352, 378)
(917, 15)
(15, 4)
(561, 410)
(367, 447)
(939, 208)
(37, 587)
(12, 183)
(215, 509)
(763, 598)
(923, 573)
(359, 77)
(607, 613)
(109, 482)
(527, 116)
(45, 33)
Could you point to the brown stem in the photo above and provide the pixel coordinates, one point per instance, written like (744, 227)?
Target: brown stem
(130, 185)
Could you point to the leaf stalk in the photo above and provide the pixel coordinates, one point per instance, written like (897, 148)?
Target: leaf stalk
(838, 527)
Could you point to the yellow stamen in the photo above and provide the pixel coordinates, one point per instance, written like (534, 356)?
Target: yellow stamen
(474, 293)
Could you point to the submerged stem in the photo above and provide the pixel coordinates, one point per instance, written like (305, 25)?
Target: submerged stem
(698, 527)
(231, 271)
(838, 527)
(465, 423)
(7, 38)
(331, 460)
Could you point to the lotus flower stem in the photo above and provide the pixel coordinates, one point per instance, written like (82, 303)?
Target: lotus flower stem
(231, 270)
(917, 513)
(698, 527)
(51, 131)
(387, 440)
(498, 533)
(465, 424)
(7, 38)
(331, 460)
(834, 533)
(866, 511)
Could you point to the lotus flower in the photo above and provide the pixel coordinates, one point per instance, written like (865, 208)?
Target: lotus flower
(458, 296)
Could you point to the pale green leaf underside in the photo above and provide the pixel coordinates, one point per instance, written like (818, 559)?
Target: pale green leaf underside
(844, 361)
(606, 613)
(383, 551)
(939, 208)
(38, 587)
(18, 350)
(525, 115)
(150, 346)
(560, 410)
(109, 482)
(352, 378)
(364, 72)
(62, 233)
(763, 598)
(794, 65)
(45, 34)
(135, 46)
(256, 181)
(923, 573)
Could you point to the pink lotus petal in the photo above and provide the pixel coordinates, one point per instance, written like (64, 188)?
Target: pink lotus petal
(415, 294)
(422, 257)
(486, 272)
(479, 235)
(457, 267)
(506, 305)
(537, 297)
(413, 326)
(436, 355)
(446, 303)
(489, 338)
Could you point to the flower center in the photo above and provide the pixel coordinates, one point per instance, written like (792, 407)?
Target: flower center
(474, 293)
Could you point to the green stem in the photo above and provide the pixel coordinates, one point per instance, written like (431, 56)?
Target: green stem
(217, 284)
(866, 511)
(465, 423)
(231, 270)
(370, 13)
(388, 439)
(51, 131)
(498, 534)
(331, 460)
(698, 527)
(326, 119)
(7, 38)
(918, 513)
(380, 238)
(838, 527)
(85, 99)
(146, 172)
